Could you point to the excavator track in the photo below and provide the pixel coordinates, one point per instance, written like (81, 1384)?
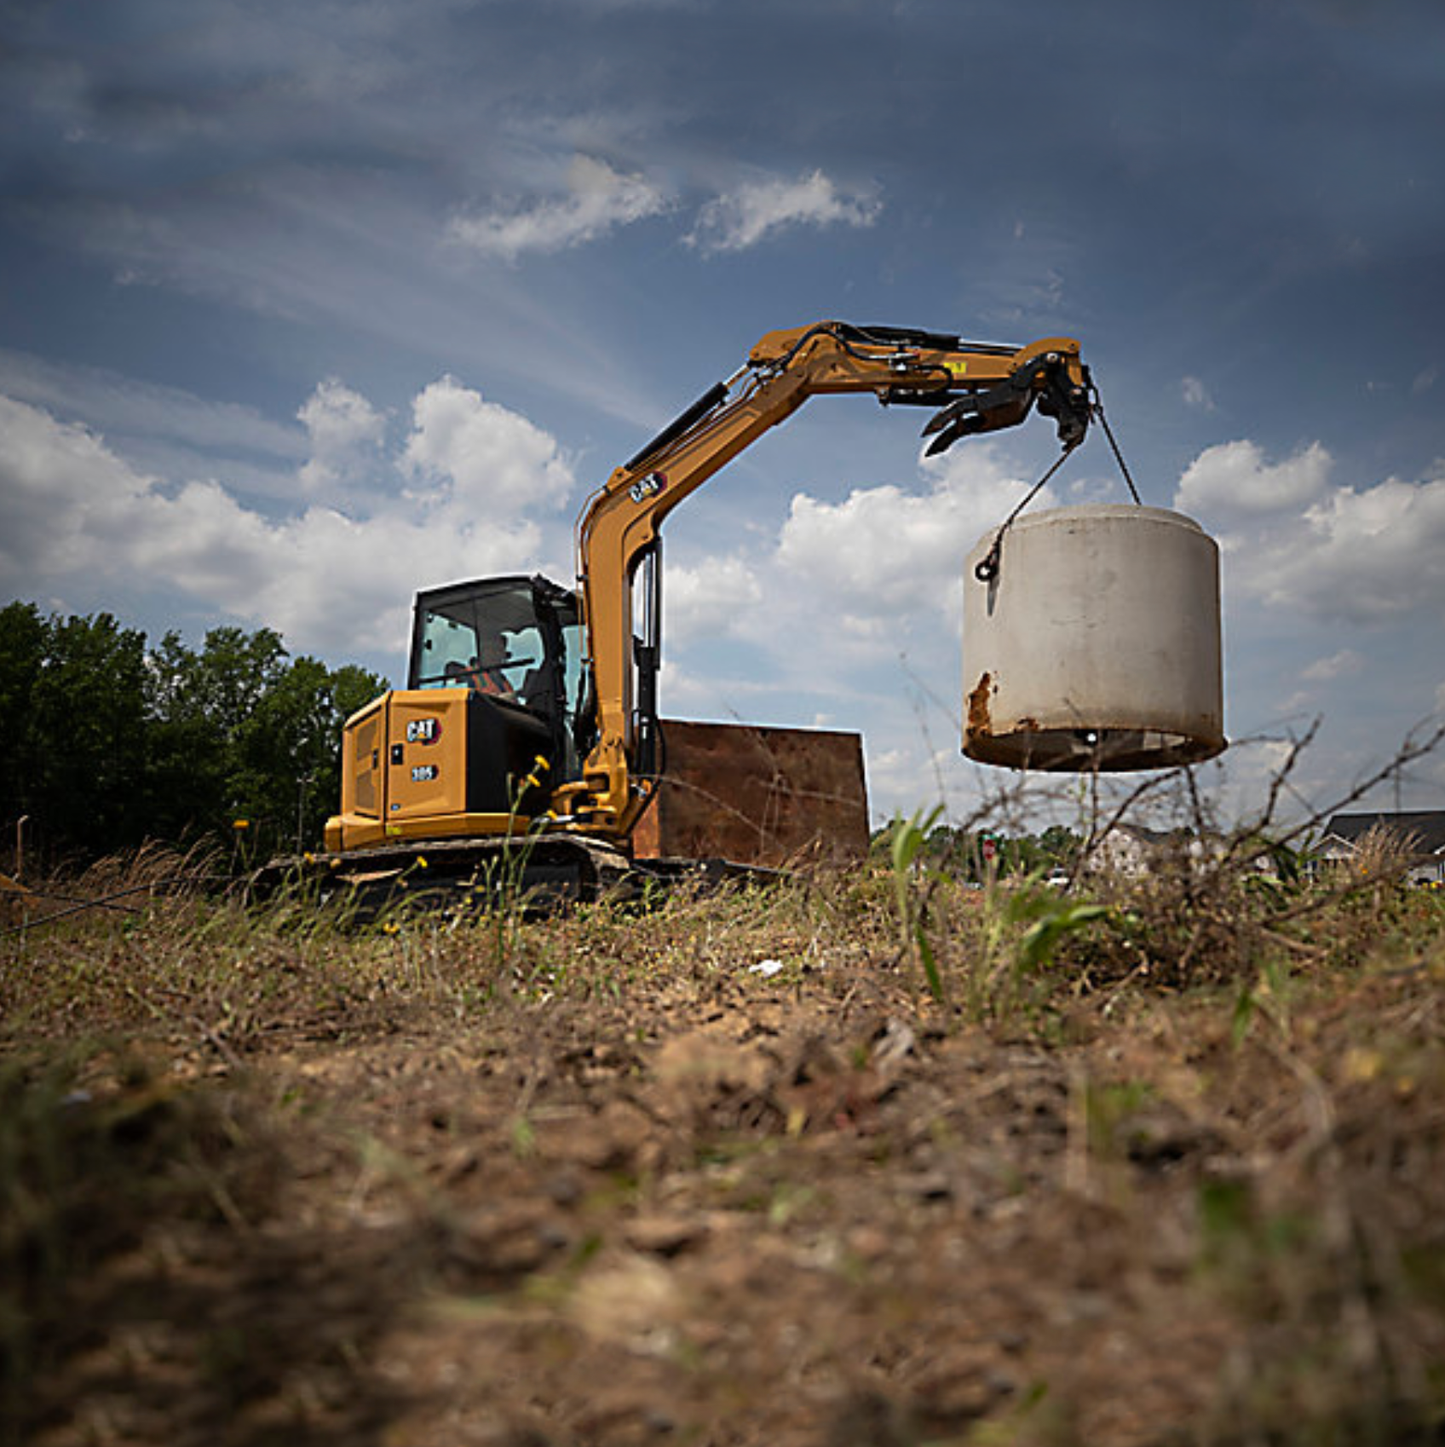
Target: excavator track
(538, 874)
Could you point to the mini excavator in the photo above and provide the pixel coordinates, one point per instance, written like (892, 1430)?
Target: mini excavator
(530, 715)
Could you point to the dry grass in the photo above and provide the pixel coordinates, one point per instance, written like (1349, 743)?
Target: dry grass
(1156, 1162)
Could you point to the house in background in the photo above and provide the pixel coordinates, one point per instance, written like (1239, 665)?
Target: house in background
(1421, 831)
(1133, 851)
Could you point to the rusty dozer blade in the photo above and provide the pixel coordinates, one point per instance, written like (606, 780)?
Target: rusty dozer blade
(757, 795)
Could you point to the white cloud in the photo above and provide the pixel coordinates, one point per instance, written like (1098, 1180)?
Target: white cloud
(61, 488)
(78, 521)
(1370, 555)
(1318, 678)
(758, 209)
(1232, 479)
(346, 433)
(884, 553)
(1237, 785)
(336, 418)
(490, 464)
(1360, 555)
(1337, 665)
(599, 199)
(1196, 394)
(709, 599)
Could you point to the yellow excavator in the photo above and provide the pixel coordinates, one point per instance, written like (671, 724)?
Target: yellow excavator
(530, 711)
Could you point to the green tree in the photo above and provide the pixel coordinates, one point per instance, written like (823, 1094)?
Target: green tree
(23, 646)
(1060, 846)
(234, 672)
(1019, 855)
(107, 743)
(288, 767)
(202, 702)
(188, 751)
(280, 749)
(86, 732)
(244, 732)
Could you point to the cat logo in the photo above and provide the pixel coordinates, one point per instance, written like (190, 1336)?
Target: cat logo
(648, 486)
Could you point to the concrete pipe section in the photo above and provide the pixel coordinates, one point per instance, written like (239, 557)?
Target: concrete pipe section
(1091, 640)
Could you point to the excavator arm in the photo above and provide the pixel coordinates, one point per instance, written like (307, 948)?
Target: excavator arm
(973, 388)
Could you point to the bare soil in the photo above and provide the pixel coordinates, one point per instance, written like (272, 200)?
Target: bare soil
(680, 1199)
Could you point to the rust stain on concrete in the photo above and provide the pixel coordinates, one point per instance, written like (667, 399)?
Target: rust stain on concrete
(980, 719)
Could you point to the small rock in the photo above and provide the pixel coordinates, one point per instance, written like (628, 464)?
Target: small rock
(661, 1235)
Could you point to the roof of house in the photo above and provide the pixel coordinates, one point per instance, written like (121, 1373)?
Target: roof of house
(1147, 835)
(1426, 826)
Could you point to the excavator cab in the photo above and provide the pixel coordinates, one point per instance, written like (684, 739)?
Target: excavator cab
(492, 720)
(515, 639)
(516, 644)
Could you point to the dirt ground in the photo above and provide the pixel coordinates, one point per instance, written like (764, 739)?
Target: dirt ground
(800, 1206)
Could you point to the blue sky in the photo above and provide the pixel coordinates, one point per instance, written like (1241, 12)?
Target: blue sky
(307, 307)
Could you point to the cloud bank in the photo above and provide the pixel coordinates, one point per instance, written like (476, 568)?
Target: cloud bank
(599, 199)
(757, 210)
(1295, 540)
(472, 489)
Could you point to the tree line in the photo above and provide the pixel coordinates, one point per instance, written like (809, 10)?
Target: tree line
(980, 853)
(108, 742)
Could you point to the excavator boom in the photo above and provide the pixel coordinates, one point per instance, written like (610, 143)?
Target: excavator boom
(972, 387)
